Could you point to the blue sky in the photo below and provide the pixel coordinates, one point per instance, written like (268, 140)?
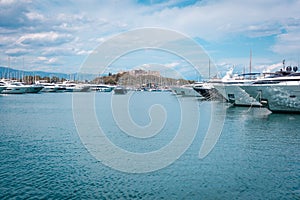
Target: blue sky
(58, 36)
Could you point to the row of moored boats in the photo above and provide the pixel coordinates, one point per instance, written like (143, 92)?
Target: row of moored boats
(279, 91)
(8, 86)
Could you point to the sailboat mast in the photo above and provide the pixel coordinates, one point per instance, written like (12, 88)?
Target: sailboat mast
(208, 69)
(22, 76)
(8, 72)
(250, 64)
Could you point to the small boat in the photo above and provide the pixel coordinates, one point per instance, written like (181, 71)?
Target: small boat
(120, 90)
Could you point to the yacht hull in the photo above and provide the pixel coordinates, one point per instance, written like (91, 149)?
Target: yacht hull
(49, 89)
(278, 98)
(2, 88)
(209, 93)
(34, 89)
(120, 90)
(185, 91)
(234, 94)
(101, 88)
(14, 90)
(78, 89)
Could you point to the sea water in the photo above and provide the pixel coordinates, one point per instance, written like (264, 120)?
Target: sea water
(256, 156)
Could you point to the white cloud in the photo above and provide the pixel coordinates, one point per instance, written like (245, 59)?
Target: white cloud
(52, 60)
(6, 40)
(42, 58)
(5, 2)
(46, 60)
(218, 19)
(171, 65)
(35, 16)
(63, 50)
(288, 44)
(44, 39)
(17, 51)
(269, 68)
(9, 2)
(83, 52)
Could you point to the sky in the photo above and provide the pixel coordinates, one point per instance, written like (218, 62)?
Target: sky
(58, 36)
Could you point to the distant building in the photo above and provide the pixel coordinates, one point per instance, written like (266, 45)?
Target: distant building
(140, 72)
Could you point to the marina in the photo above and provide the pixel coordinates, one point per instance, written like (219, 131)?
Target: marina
(278, 91)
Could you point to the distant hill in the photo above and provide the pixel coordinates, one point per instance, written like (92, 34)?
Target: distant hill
(6, 72)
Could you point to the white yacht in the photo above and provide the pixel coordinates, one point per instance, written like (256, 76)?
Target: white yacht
(2, 87)
(120, 90)
(74, 87)
(60, 87)
(47, 87)
(280, 92)
(185, 90)
(34, 88)
(208, 91)
(230, 89)
(101, 88)
(13, 87)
